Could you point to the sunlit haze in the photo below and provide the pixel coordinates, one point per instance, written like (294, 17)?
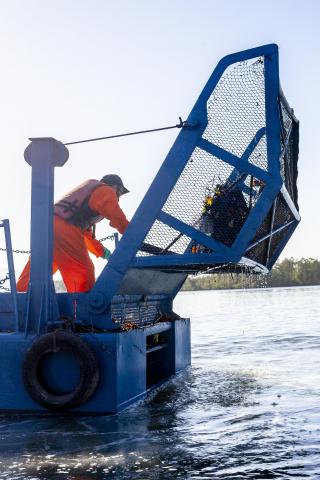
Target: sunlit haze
(74, 70)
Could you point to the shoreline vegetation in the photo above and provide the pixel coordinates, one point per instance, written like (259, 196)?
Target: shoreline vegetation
(289, 272)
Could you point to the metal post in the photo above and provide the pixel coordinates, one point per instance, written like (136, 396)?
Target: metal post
(43, 154)
(12, 276)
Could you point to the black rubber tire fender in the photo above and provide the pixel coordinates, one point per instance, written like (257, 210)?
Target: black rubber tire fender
(88, 366)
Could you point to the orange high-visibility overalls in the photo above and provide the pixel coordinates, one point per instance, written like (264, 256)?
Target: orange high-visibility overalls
(72, 243)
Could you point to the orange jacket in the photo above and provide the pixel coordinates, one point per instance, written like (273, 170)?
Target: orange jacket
(105, 201)
(70, 255)
(93, 245)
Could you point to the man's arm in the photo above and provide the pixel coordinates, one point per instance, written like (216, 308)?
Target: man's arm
(93, 245)
(105, 201)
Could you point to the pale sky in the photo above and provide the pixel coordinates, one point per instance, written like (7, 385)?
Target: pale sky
(79, 69)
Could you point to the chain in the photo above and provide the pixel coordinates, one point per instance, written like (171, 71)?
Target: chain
(110, 237)
(2, 281)
(15, 251)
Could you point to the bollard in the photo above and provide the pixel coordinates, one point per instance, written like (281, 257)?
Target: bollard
(42, 154)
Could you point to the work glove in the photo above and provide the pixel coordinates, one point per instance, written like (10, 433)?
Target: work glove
(106, 254)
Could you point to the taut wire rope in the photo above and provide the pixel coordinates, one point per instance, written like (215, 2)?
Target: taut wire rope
(181, 124)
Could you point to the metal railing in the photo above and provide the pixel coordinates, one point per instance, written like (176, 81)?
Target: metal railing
(11, 274)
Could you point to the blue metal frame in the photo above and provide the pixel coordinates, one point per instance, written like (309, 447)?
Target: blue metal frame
(13, 290)
(188, 139)
(124, 356)
(42, 305)
(43, 154)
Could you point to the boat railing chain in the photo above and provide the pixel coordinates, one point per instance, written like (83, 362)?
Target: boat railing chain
(113, 236)
(15, 251)
(109, 237)
(2, 281)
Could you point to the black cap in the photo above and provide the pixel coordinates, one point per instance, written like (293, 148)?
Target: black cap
(115, 180)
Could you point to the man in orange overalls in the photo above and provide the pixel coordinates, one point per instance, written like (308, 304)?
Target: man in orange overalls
(75, 217)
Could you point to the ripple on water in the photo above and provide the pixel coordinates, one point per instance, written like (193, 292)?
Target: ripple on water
(248, 408)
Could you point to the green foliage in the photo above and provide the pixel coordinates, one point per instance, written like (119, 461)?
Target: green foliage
(287, 273)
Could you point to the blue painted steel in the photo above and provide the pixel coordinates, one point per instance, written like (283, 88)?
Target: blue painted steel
(128, 293)
(186, 259)
(123, 358)
(253, 144)
(192, 233)
(272, 112)
(240, 163)
(182, 345)
(12, 278)
(43, 154)
(150, 208)
(258, 212)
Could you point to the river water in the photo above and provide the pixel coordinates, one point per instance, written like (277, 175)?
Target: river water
(248, 408)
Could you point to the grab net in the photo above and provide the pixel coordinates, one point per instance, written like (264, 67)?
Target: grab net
(215, 197)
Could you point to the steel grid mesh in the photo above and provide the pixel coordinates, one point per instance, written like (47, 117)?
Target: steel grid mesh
(265, 250)
(134, 311)
(201, 176)
(276, 240)
(286, 118)
(287, 157)
(283, 214)
(259, 155)
(139, 314)
(264, 228)
(259, 252)
(278, 216)
(161, 236)
(186, 199)
(236, 111)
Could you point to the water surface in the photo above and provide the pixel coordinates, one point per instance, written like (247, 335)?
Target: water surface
(248, 408)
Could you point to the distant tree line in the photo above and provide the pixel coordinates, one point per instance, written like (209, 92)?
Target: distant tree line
(287, 273)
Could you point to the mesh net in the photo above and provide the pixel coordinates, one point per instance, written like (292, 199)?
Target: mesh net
(235, 114)
(213, 196)
(236, 111)
(279, 217)
(289, 149)
(127, 313)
